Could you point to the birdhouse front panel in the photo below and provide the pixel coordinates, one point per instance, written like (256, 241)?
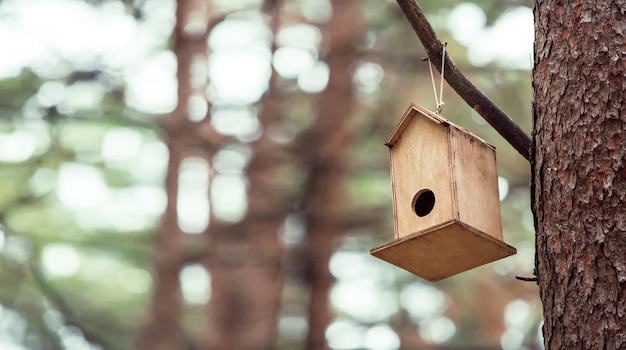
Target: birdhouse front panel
(421, 178)
(476, 183)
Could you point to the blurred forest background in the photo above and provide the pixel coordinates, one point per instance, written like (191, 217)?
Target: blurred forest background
(211, 174)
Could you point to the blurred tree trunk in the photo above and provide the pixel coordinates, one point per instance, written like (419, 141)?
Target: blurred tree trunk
(579, 172)
(245, 264)
(326, 149)
(162, 329)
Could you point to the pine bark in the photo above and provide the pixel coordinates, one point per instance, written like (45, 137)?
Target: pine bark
(579, 172)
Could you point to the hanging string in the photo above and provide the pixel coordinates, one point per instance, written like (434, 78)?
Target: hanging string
(438, 99)
(443, 66)
(432, 79)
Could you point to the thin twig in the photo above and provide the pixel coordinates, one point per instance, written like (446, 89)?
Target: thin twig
(503, 124)
(527, 279)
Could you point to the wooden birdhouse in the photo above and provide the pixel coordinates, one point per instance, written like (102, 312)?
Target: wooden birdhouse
(445, 198)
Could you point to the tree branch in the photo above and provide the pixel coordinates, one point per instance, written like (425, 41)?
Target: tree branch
(63, 306)
(503, 124)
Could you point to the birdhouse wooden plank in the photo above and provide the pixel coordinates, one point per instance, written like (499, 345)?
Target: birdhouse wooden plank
(445, 198)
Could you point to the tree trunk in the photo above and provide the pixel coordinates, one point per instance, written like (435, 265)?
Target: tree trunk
(162, 329)
(579, 172)
(246, 269)
(245, 263)
(326, 149)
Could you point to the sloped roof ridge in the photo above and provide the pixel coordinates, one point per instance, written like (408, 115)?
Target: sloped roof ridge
(397, 132)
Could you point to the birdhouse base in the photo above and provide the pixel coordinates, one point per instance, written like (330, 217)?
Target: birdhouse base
(443, 250)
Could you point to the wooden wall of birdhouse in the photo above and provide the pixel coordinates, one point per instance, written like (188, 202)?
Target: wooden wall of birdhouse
(445, 198)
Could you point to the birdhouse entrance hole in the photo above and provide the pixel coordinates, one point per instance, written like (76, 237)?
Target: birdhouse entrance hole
(423, 202)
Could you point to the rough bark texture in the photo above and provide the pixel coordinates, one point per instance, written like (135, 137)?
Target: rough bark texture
(326, 148)
(579, 172)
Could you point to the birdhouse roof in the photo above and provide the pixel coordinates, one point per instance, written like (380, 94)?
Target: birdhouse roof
(417, 110)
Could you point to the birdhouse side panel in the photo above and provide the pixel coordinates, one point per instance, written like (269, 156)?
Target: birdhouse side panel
(421, 179)
(476, 183)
